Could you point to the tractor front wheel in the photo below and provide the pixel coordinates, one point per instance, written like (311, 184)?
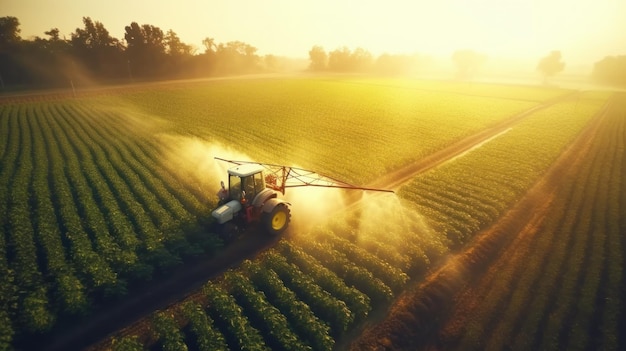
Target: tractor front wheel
(277, 220)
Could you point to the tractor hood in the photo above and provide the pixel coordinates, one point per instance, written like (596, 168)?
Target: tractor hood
(226, 212)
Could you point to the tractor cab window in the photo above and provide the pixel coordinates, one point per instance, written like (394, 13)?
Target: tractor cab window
(259, 184)
(234, 186)
(249, 188)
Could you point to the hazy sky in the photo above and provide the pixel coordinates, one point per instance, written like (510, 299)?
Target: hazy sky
(584, 30)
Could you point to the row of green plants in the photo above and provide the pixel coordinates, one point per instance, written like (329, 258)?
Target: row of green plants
(84, 211)
(543, 137)
(285, 299)
(345, 253)
(319, 285)
(566, 291)
(89, 205)
(384, 125)
(462, 197)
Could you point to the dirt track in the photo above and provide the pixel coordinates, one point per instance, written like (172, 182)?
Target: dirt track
(415, 319)
(184, 280)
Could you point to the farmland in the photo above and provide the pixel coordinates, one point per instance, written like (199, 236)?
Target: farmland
(553, 285)
(109, 190)
(566, 274)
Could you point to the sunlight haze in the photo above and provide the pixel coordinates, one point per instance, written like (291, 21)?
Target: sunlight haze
(584, 30)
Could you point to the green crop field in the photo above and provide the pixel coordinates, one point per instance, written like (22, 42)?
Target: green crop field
(110, 189)
(565, 288)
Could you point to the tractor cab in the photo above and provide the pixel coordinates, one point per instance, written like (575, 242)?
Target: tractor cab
(245, 182)
(246, 195)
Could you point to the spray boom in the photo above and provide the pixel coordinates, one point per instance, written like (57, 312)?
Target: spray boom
(280, 177)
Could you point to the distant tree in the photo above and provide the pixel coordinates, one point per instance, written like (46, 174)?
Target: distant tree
(236, 57)
(550, 65)
(468, 62)
(361, 60)
(318, 57)
(145, 50)
(339, 59)
(97, 51)
(345, 60)
(174, 46)
(53, 33)
(178, 53)
(9, 41)
(51, 59)
(93, 36)
(610, 70)
(209, 45)
(9, 32)
(270, 62)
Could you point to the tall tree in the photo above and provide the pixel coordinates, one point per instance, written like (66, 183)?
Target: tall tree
(610, 70)
(237, 57)
(9, 46)
(361, 60)
(550, 65)
(174, 46)
(318, 58)
(339, 59)
(50, 59)
(209, 45)
(9, 33)
(97, 51)
(145, 50)
(178, 53)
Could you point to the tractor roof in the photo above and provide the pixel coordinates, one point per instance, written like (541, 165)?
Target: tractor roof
(245, 170)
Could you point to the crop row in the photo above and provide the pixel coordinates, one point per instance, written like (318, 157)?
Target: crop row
(462, 197)
(279, 114)
(88, 203)
(328, 278)
(306, 293)
(284, 299)
(564, 290)
(531, 151)
(83, 210)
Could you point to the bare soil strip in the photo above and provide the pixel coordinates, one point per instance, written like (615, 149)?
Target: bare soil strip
(419, 314)
(184, 280)
(397, 178)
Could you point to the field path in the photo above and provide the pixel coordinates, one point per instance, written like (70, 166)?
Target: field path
(396, 178)
(184, 280)
(421, 315)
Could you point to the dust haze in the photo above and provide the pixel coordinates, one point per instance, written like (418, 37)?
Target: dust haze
(193, 160)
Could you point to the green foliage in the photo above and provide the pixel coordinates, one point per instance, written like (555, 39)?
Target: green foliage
(502, 170)
(89, 201)
(207, 337)
(168, 332)
(270, 320)
(562, 288)
(309, 327)
(127, 343)
(235, 324)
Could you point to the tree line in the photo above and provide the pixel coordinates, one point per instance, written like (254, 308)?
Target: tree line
(91, 54)
(610, 70)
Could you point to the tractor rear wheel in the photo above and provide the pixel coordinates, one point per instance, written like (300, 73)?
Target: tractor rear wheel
(277, 220)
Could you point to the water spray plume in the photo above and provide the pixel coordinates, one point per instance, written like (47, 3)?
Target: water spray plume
(387, 215)
(193, 161)
(313, 206)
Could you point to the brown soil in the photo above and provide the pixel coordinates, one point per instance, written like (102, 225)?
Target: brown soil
(396, 178)
(164, 291)
(421, 317)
